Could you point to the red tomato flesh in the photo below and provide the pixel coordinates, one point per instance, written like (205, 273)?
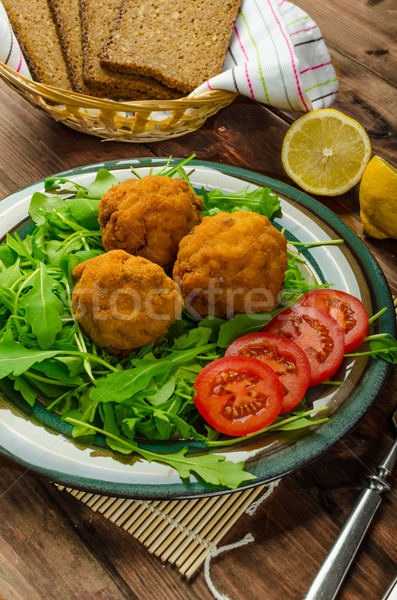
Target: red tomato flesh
(238, 395)
(348, 310)
(317, 333)
(283, 356)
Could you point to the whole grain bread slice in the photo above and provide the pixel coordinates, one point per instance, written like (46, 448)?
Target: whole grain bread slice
(97, 19)
(66, 15)
(180, 42)
(35, 31)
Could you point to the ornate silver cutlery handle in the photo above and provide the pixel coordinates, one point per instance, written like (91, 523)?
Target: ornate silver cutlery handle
(334, 568)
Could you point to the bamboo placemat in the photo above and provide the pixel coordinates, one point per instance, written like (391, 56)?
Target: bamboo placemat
(180, 532)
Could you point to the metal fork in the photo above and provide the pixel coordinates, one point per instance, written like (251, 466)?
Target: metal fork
(328, 580)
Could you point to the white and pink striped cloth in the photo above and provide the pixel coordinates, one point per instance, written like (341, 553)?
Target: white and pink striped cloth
(277, 56)
(10, 52)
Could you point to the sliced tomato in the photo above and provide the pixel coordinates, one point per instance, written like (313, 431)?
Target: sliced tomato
(283, 356)
(348, 310)
(238, 395)
(317, 333)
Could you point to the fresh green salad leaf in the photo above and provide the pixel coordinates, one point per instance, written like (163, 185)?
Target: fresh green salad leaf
(43, 309)
(260, 200)
(42, 205)
(15, 359)
(84, 211)
(211, 468)
(384, 347)
(102, 184)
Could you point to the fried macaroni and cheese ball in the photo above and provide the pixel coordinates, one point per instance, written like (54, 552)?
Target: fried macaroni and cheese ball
(123, 302)
(231, 263)
(148, 217)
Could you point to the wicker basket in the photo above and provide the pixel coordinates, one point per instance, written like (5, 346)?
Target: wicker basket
(139, 121)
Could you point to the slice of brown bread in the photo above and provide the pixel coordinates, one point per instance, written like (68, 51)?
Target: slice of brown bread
(97, 19)
(66, 15)
(36, 34)
(180, 42)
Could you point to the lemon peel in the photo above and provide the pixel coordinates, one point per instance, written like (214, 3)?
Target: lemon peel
(378, 199)
(325, 152)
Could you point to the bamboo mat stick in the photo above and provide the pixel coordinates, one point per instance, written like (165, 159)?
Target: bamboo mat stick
(122, 520)
(180, 546)
(96, 502)
(164, 507)
(208, 532)
(165, 538)
(118, 516)
(109, 508)
(158, 522)
(140, 508)
(165, 529)
(189, 567)
(105, 506)
(204, 527)
(205, 512)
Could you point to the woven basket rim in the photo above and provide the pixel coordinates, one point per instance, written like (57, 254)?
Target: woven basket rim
(71, 98)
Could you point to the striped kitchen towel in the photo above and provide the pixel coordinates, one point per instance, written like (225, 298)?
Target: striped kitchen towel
(277, 56)
(10, 52)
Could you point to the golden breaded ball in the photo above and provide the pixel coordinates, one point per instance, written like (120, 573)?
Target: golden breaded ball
(148, 217)
(123, 302)
(232, 263)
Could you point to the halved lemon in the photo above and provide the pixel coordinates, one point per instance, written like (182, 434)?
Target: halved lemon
(325, 152)
(378, 199)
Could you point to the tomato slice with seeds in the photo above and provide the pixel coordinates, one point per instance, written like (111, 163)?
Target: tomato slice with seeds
(283, 356)
(237, 395)
(348, 310)
(317, 333)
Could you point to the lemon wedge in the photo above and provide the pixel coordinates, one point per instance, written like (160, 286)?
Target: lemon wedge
(378, 199)
(325, 152)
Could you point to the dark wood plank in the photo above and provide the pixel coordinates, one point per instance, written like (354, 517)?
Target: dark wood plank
(55, 547)
(364, 30)
(42, 554)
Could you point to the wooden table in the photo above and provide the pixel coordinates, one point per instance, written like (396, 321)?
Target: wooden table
(53, 546)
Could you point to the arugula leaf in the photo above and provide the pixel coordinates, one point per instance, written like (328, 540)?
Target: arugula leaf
(54, 183)
(243, 324)
(55, 369)
(192, 339)
(102, 183)
(28, 393)
(85, 211)
(296, 420)
(213, 469)
(41, 205)
(15, 359)
(260, 200)
(162, 393)
(7, 298)
(8, 256)
(124, 384)
(213, 323)
(43, 308)
(383, 347)
(10, 275)
(22, 248)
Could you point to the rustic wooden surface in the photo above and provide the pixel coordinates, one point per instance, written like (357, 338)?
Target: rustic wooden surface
(54, 547)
